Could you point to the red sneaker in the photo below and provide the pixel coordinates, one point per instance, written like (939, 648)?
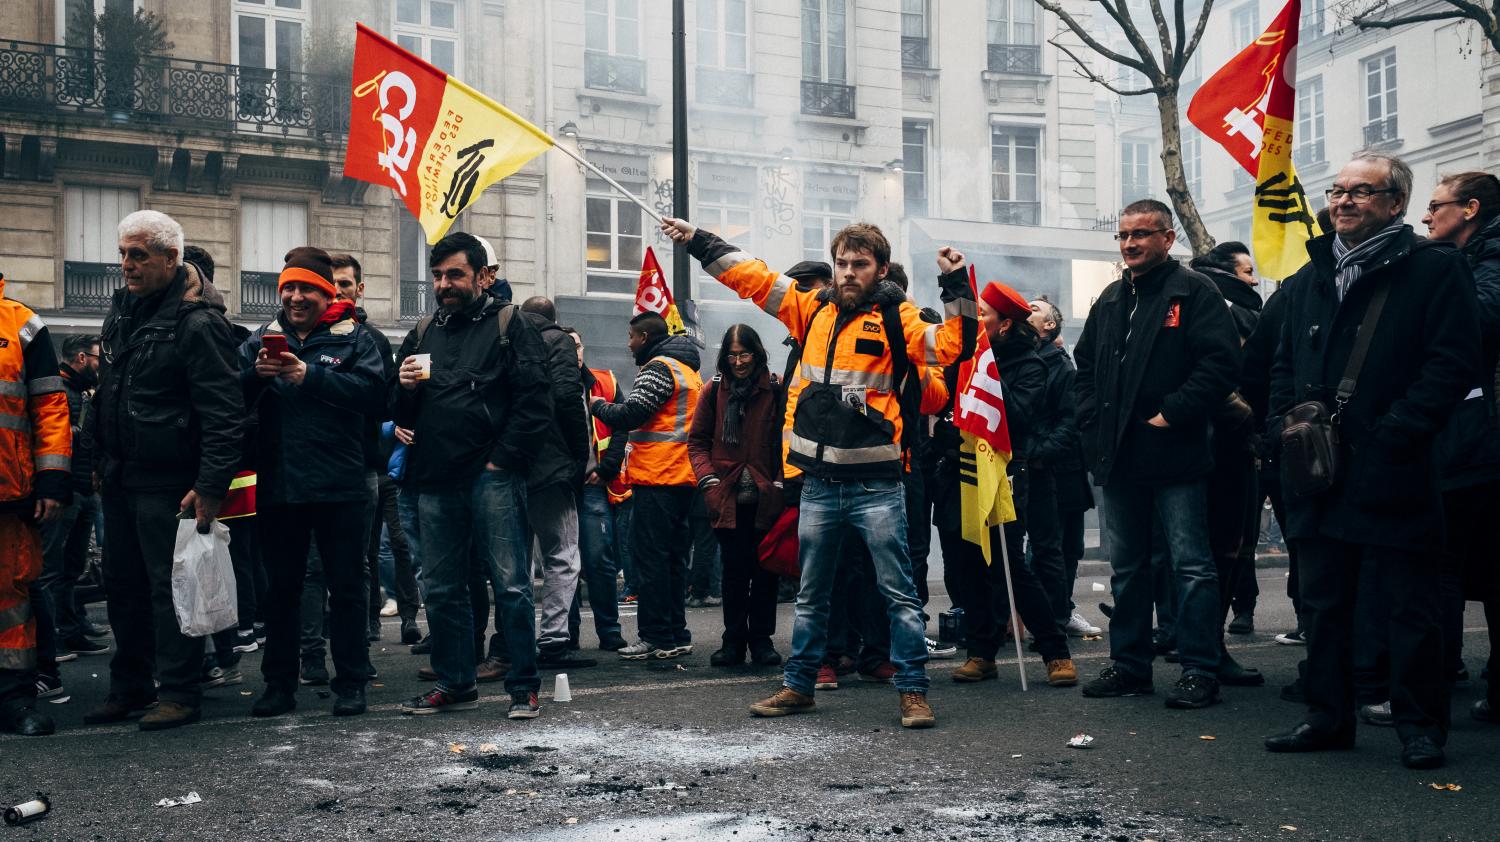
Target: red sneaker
(881, 674)
(828, 678)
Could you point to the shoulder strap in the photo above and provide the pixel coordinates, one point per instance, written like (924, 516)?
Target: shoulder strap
(502, 323)
(422, 326)
(795, 357)
(1362, 341)
(903, 375)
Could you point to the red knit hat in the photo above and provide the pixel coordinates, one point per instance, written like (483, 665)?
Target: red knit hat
(308, 265)
(1005, 301)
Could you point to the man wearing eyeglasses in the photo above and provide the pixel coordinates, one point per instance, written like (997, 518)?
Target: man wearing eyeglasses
(1383, 509)
(1159, 353)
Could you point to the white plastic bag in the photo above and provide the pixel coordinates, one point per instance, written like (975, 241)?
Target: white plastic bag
(203, 587)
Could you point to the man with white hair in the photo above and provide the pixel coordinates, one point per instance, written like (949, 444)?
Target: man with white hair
(166, 434)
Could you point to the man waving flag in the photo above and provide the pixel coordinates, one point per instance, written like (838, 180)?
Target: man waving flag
(979, 414)
(1248, 108)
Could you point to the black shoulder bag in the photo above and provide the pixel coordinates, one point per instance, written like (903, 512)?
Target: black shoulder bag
(1310, 457)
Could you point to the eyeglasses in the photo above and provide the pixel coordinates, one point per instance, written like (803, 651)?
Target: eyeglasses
(748, 356)
(1138, 234)
(1358, 195)
(1432, 207)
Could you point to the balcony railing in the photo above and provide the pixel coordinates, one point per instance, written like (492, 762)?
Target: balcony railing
(42, 78)
(606, 72)
(1380, 131)
(1308, 154)
(916, 53)
(725, 87)
(827, 99)
(1015, 58)
(416, 300)
(258, 294)
(1017, 213)
(89, 286)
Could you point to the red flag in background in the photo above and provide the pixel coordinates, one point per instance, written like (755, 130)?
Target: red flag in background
(652, 295)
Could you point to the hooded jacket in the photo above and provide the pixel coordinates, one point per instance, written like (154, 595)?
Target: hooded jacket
(306, 435)
(1468, 450)
(488, 400)
(79, 385)
(1423, 358)
(1158, 343)
(167, 413)
(1244, 302)
(561, 453)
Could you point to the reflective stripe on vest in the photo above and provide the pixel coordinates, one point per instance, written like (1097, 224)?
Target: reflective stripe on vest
(12, 389)
(845, 455)
(659, 456)
(17, 637)
(679, 431)
(880, 380)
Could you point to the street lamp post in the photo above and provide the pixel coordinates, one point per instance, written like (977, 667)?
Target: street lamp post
(682, 287)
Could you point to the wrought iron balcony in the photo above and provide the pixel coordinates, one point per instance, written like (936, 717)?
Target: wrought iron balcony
(50, 78)
(916, 53)
(725, 87)
(827, 99)
(606, 72)
(258, 294)
(1380, 131)
(89, 286)
(1016, 213)
(1015, 58)
(416, 300)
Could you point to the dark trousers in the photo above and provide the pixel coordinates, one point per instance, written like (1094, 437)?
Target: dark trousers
(705, 577)
(1231, 488)
(65, 554)
(659, 540)
(315, 591)
(388, 519)
(1071, 521)
(598, 546)
(1469, 566)
(1045, 538)
(287, 532)
(244, 555)
(1413, 631)
(140, 528)
(986, 603)
(749, 591)
(1272, 486)
(918, 536)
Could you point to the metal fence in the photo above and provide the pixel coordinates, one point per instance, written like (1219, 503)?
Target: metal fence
(1015, 58)
(827, 99)
(258, 293)
(89, 286)
(606, 72)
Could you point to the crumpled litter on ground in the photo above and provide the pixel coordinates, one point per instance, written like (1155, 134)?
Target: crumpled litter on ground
(190, 798)
(1447, 787)
(1081, 741)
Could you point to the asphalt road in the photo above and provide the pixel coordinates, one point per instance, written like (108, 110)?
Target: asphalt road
(666, 750)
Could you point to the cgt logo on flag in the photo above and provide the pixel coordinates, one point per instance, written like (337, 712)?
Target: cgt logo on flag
(653, 296)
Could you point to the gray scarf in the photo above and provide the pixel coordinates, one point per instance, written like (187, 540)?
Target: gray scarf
(1350, 262)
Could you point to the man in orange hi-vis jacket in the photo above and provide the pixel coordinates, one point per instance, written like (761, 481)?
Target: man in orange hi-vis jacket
(860, 339)
(36, 450)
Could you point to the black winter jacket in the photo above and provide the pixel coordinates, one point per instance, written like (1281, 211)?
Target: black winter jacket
(1423, 358)
(377, 452)
(1244, 302)
(1468, 449)
(559, 455)
(1181, 361)
(78, 385)
(168, 410)
(1056, 447)
(307, 454)
(487, 400)
(1023, 376)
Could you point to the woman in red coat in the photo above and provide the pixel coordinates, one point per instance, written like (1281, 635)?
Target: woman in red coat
(735, 447)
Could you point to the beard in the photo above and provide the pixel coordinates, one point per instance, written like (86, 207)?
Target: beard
(455, 300)
(850, 299)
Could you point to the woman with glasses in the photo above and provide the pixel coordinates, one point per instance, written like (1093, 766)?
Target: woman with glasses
(1465, 210)
(735, 447)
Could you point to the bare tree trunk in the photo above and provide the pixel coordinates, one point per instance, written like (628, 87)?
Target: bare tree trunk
(1177, 186)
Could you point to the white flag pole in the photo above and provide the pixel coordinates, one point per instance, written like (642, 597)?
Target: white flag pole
(615, 184)
(1010, 595)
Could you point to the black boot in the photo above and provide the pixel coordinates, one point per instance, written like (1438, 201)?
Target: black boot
(21, 717)
(1232, 674)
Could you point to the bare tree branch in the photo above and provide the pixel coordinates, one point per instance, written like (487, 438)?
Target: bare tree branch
(1085, 72)
(1393, 23)
(1120, 12)
(1163, 35)
(1092, 42)
(1192, 45)
(1179, 58)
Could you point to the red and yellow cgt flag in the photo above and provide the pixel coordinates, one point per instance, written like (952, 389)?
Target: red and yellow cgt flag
(984, 493)
(652, 295)
(1248, 108)
(434, 140)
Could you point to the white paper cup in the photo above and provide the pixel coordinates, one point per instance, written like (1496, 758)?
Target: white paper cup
(560, 690)
(425, 361)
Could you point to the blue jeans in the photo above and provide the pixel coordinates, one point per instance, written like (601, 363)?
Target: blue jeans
(1130, 512)
(489, 514)
(406, 509)
(596, 542)
(876, 511)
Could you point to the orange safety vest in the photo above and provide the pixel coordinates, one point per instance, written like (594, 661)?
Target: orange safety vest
(658, 453)
(604, 387)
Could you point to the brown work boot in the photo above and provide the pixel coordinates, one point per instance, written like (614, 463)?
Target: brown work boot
(491, 669)
(169, 715)
(976, 669)
(1062, 673)
(915, 712)
(786, 701)
(116, 709)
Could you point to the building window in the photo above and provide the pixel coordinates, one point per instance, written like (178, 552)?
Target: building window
(268, 230)
(828, 204)
(612, 46)
(1192, 161)
(69, 12)
(91, 255)
(725, 199)
(614, 233)
(825, 41)
(723, 76)
(916, 34)
(914, 161)
(1312, 18)
(268, 48)
(1380, 98)
(1015, 175)
(1135, 171)
(1310, 121)
(429, 28)
(1014, 45)
(1244, 24)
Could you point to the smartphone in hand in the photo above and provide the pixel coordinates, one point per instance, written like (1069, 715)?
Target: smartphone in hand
(275, 345)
